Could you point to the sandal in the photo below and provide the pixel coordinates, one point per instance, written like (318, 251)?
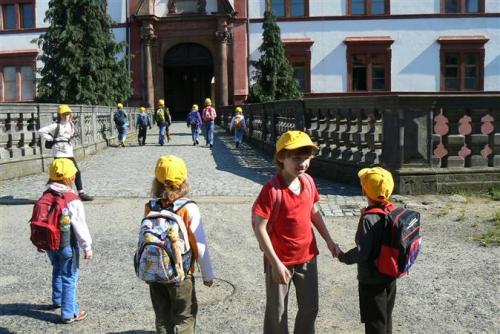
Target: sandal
(81, 316)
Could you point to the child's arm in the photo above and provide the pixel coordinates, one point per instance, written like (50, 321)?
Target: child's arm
(319, 223)
(362, 252)
(47, 131)
(203, 259)
(280, 272)
(80, 228)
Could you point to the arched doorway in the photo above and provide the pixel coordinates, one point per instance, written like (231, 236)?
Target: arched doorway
(188, 71)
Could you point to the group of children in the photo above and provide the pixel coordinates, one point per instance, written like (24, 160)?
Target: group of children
(283, 216)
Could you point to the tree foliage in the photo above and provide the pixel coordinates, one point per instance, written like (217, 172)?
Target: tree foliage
(273, 76)
(79, 53)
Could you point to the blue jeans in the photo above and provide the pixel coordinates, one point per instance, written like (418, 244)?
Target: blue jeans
(238, 135)
(209, 132)
(65, 279)
(163, 131)
(195, 133)
(122, 133)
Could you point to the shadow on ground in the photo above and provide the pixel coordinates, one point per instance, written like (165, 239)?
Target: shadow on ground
(10, 200)
(35, 311)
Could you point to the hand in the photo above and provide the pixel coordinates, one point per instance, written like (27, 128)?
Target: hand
(208, 283)
(87, 255)
(334, 249)
(280, 273)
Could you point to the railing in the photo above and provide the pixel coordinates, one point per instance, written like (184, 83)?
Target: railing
(431, 143)
(21, 149)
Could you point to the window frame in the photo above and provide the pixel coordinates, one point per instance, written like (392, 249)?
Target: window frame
(387, 8)
(288, 8)
(462, 7)
(18, 14)
(462, 45)
(18, 60)
(298, 51)
(380, 45)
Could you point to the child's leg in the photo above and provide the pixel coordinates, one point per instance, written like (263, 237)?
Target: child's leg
(305, 279)
(69, 277)
(56, 277)
(78, 176)
(276, 317)
(376, 302)
(184, 306)
(160, 299)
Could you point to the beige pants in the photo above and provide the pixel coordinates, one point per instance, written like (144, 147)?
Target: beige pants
(305, 279)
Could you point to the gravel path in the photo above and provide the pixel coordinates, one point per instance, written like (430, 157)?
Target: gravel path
(452, 289)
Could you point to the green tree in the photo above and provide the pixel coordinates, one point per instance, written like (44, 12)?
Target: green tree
(273, 76)
(79, 53)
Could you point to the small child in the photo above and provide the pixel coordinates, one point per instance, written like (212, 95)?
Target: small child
(209, 115)
(238, 124)
(377, 292)
(283, 216)
(143, 123)
(121, 121)
(61, 133)
(65, 261)
(175, 304)
(194, 122)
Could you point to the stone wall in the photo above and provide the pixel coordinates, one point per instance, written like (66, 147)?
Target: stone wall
(21, 149)
(431, 143)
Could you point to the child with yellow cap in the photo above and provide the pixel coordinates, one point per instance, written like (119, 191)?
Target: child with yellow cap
(238, 124)
(175, 304)
(209, 115)
(121, 122)
(193, 121)
(163, 120)
(60, 134)
(377, 292)
(283, 217)
(74, 235)
(143, 123)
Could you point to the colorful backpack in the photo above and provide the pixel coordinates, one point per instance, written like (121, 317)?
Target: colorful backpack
(160, 115)
(50, 221)
(238, 122)
(401, 240)
(164, 254)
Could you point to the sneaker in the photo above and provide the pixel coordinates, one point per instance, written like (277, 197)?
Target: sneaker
(197, 143)
(85, 197)
(194, 143)
(237, 144)
(81, 316)
(211, 145)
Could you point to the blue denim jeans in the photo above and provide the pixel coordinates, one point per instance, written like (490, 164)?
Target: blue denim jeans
(238, 135)
(163, 131)
(195, 133)
(65, 274)
(122, 133)
(209, 133)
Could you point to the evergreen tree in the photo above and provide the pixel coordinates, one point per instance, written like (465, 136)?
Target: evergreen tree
(79, 56)
(273, 73)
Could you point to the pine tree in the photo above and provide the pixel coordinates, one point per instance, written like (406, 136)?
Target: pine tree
(79, 55)
(273, 73)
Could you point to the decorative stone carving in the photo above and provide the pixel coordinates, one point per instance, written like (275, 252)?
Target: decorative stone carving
(148, 33)
(441, 128)
(224, 36)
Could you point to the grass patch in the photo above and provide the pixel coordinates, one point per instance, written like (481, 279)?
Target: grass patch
(494, 193)
(492, 236)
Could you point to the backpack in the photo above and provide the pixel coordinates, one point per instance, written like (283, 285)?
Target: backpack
(401, 241)
(50, 221)
(120, 118)
(164, 254)
(238, 122)
(160, 115)
(192, 119)
(49, 143)
(208, 114)
(143, 120)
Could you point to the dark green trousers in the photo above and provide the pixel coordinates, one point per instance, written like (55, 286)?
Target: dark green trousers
(175, 306)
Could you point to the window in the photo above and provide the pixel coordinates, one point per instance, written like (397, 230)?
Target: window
(462, 6)
(17, 15)
(298, 53)
(368, 7)
(17, 76)
(462, 63)
(289, 8)
(369, 63)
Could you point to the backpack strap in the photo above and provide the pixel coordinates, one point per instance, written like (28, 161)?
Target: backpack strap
(180, 203)
(155, 205)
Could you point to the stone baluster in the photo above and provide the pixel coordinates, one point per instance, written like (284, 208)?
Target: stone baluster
(351, 127)
(488, 129)
(441, 130)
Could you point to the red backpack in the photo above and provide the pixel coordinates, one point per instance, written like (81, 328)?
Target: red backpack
(44, 222)
(401, 240)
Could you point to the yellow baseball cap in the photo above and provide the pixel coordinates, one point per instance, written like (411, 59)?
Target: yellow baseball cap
(208, 101)
(119, 105)
(63, 109)
(171, 169)
(195, 107)
(294, 139)
(161, 102)
(238, 110)
(62, 168)
(142, 109)
(377, 183)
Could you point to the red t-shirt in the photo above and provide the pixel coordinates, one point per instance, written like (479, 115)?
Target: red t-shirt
(291, 234)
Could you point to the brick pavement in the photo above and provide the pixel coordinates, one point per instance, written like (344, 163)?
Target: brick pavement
(221, 171)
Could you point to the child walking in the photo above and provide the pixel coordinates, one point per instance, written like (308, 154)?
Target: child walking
(209, 115)
(194, 122)
(121, 121)
(283, 216)
(61, 133)
(175, 304)
(65, 261)
(239, 125)
(143, 123)
(377, 292)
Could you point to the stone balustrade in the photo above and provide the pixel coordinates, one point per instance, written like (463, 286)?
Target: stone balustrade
(431, 143)
(21, 149)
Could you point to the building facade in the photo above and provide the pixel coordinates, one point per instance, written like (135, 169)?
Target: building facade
(185, 50)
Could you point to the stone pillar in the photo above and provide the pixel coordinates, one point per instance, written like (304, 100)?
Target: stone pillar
(223, 36)
(147, 40)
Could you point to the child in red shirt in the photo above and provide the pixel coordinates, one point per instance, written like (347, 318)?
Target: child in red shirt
(282, 217)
